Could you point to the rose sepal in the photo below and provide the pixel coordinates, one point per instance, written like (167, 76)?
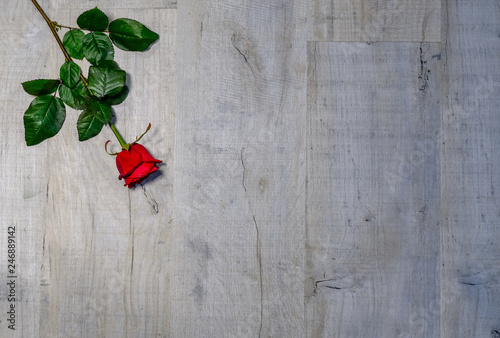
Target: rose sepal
(138, 139)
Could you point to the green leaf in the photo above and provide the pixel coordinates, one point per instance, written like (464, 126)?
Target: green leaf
(102, 111)
(73, 42)
(76, 98)
(110, 64)
(131, 35)
(104, 80)
(40, 86)
(97, 47)
(88, 125)
(43, 119)
(118, 98)
(70, 74)
(93, 20)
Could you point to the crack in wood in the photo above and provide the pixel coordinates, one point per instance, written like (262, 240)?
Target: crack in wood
(259, 259)
(424, 72)
(131, 230)
(152, 202)
(239, 45)
(327, 283)
(244, 169)
(258, 241)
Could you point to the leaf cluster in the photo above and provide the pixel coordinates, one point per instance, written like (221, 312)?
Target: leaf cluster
(94, 94)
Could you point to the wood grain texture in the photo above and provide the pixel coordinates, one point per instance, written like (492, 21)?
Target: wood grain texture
(239, 184)
(23, 170)
(103, 243)
(470, 172)
(374, 20)
(372, 192)
(84, 5)
(330, 170)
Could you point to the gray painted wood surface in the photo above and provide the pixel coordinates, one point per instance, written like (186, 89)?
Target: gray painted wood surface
(372, 191)
(330, 170)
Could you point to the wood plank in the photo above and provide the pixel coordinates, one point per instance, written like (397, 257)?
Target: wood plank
(470, 176)
(239, 181)
(105, 246)
(112, 5)
(23, 170)
(374, 20)
(372, 262)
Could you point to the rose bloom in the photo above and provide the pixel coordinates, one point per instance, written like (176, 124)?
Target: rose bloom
(135, 164)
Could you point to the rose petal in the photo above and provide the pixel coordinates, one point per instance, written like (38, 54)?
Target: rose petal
(127, 161)
(146, 156)
(143, 170)
(135, 165)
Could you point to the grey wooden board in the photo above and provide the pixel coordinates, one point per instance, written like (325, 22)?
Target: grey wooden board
(374, 20)
(372, 189)
(470, 178)
(23, 170)
(239, 187)
(109, 250)
(312, 186)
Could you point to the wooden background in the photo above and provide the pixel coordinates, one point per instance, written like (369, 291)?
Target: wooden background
(331, 169)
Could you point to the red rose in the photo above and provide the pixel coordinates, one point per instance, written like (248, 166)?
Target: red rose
(135, 164)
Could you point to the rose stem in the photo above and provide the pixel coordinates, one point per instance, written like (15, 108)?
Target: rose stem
(53, 30)
(118, 137)
(68, 59)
